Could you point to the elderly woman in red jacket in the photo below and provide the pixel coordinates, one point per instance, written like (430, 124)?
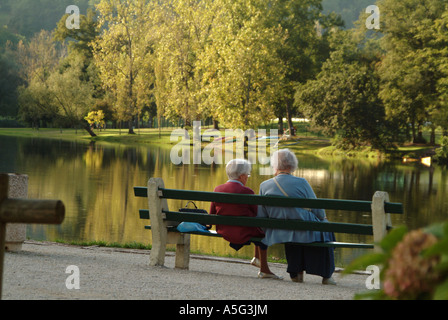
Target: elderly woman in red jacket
(238, 171)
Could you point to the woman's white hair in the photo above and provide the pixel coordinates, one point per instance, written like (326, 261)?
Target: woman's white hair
(236, 167)
(284, 160)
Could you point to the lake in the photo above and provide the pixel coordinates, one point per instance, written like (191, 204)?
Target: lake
(95, 181)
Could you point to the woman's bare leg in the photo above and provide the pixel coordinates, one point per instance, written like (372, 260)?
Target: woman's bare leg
(263, 257)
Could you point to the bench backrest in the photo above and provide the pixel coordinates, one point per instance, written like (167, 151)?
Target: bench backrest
(278, 201)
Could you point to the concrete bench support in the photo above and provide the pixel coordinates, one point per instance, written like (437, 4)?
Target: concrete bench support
(160, 236)
(380, 219)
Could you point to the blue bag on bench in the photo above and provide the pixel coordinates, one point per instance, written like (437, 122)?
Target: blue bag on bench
(191, 227)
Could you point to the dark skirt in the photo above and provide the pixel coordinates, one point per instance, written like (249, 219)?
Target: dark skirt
(238, 246)
(313, 260)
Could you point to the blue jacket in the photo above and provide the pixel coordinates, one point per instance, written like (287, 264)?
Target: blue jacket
(298, 188)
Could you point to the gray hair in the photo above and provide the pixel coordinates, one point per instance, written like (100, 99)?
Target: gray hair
(236, 167)
(284, 160)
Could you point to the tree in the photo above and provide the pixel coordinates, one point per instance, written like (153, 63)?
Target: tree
(81, 39)
(410, 71)
(55, 88)
(305, 47)
(439, 114)
(96, 118)
(121, 52)
(72, 96)
(181, 32)
(9, 82)
(39, 56)
(241, 71)
(37, 59)
(343, 99)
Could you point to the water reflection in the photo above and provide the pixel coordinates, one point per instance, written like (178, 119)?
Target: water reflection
(96, 182)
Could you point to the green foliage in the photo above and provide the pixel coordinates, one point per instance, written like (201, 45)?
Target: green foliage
(96, 118)
(343, 99)
(9, 82)
(414, 264)
(414, 66)
(122, 54)
(241, 63)
(242, 75)
(442, 152)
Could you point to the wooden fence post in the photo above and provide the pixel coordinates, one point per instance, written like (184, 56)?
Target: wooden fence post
(3, 195)
(380, 219)
(160, 235)
(24, 211)
(16, 233)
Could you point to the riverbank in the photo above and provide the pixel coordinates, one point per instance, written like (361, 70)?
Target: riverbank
(142, 136)
(38, 272)
(303, 143)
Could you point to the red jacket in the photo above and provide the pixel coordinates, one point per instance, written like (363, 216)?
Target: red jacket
(235, 234)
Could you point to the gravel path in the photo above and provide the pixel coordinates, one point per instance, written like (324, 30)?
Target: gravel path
(38, 272)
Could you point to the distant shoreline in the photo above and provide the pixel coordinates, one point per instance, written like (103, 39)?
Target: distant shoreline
(319, 146)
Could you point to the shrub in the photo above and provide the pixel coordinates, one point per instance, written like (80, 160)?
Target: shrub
(414, 264)
(442, 152)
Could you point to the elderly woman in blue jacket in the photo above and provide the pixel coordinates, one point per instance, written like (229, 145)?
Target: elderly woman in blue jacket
(313, 260)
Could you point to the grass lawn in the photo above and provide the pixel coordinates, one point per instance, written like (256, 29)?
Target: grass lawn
(142, 136)
(305, 142)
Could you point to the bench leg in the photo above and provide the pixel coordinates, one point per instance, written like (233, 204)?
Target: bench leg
(183, 253)
(158, 226)
(157, 255)
(182, 242)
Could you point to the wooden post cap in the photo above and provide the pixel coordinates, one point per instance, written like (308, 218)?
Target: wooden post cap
(32, 211)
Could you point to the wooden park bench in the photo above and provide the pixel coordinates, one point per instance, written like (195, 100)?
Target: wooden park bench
(164, 221)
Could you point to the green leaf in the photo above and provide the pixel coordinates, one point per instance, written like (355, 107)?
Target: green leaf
(442, 267)
(393, 238)
(371, 295)
(441, 291)
(439, 248)
(361, 263)
(438, 229)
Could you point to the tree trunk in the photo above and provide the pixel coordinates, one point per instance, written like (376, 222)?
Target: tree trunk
(432, 140)
(89, 130)
(280, 125)
(215, 124)
(414, 138)
(292, 132)
(131, 127)
(159, 120)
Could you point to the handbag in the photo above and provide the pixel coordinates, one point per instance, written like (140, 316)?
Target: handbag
(192, 226)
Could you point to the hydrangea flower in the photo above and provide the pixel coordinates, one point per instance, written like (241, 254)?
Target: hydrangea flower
(409, 275)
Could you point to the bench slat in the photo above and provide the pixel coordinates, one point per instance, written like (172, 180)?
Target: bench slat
(331, 204)
(334, 244)
(350, 228)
